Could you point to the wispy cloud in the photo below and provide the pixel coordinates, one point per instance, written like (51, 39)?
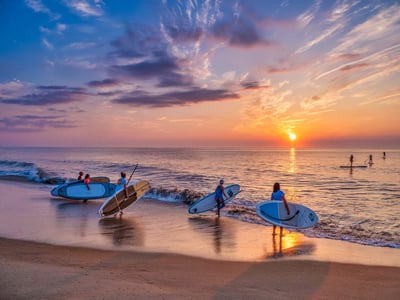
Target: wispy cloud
(323, 36)
(373, 56)
(390, 97)
(85, 8)
(381, 26)
(81, 45)
(47, 44)
(39, 7)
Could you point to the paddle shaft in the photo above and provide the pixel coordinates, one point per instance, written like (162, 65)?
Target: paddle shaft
(132, 173)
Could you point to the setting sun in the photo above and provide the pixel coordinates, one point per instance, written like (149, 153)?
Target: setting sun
(292, 136)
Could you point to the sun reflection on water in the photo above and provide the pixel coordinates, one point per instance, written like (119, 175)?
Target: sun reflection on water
(292, 161)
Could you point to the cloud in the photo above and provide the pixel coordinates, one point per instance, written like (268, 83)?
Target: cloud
(109, 82)
(81, 45)
(176, 98)
(32, 123)
(383, 26)
(317, 40)
(143, 55)
(354, 67)
(180, 32)
(372, 57)
(61, 28)
(47, 44)
(84, 8)
(48, 95)
(14, 88)
(39, 7)
(253, 85)
(239, 33)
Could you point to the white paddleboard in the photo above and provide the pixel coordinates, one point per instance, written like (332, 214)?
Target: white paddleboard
(275, 213)
(208, 202)
(54, 191)
(117, 202)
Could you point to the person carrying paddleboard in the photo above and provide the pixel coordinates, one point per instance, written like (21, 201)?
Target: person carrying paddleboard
(122, 183)
(279, 195)
(80, 177)
(219, 196)
(87, 181)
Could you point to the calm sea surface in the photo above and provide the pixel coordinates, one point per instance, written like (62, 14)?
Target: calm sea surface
(360, 205)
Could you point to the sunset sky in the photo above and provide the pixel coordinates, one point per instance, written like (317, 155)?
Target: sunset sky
(247, 73)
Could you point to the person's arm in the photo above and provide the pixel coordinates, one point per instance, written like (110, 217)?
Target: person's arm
(286, 204)
(223, 192)
(126, 190)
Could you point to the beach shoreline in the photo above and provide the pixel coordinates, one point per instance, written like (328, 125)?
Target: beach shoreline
(61, 249)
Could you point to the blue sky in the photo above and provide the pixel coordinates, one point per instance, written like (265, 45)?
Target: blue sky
(191, 73)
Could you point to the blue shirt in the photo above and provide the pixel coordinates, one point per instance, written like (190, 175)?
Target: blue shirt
(121, 182)
(218, 193)
(277, 195)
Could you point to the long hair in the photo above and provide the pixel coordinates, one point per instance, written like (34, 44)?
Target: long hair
(277, 187)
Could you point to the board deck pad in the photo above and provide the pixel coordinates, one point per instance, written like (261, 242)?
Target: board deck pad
(119, 201)
(208, 202)
(275, 213)
(79, 191)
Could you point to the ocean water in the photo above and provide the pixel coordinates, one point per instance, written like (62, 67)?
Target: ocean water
(359, 205)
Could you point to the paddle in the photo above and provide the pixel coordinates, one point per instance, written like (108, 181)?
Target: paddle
(132, 173)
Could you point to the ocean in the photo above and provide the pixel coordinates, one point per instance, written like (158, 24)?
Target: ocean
(359, 205)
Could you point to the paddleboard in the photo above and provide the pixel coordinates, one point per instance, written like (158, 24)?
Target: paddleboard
(208, 202)
(54, 192)
(358, 166)
(117, 202)
(275, 213)
(79, 190)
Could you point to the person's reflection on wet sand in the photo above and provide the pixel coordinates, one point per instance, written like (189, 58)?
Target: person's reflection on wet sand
(122, 231)
(74, 214)
(217, 236)
(289, 244)
(277, 250)
(214, 227)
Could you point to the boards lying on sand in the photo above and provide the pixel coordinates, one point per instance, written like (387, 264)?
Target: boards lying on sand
(358, 166)
(275, 213)
(54, 192)
(80, 191)
(117, 202)
(208, 202)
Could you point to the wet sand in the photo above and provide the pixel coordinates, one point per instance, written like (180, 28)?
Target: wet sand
(171, 255)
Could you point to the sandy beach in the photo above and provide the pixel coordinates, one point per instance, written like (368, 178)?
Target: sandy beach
(38, 271)
(51, 248)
